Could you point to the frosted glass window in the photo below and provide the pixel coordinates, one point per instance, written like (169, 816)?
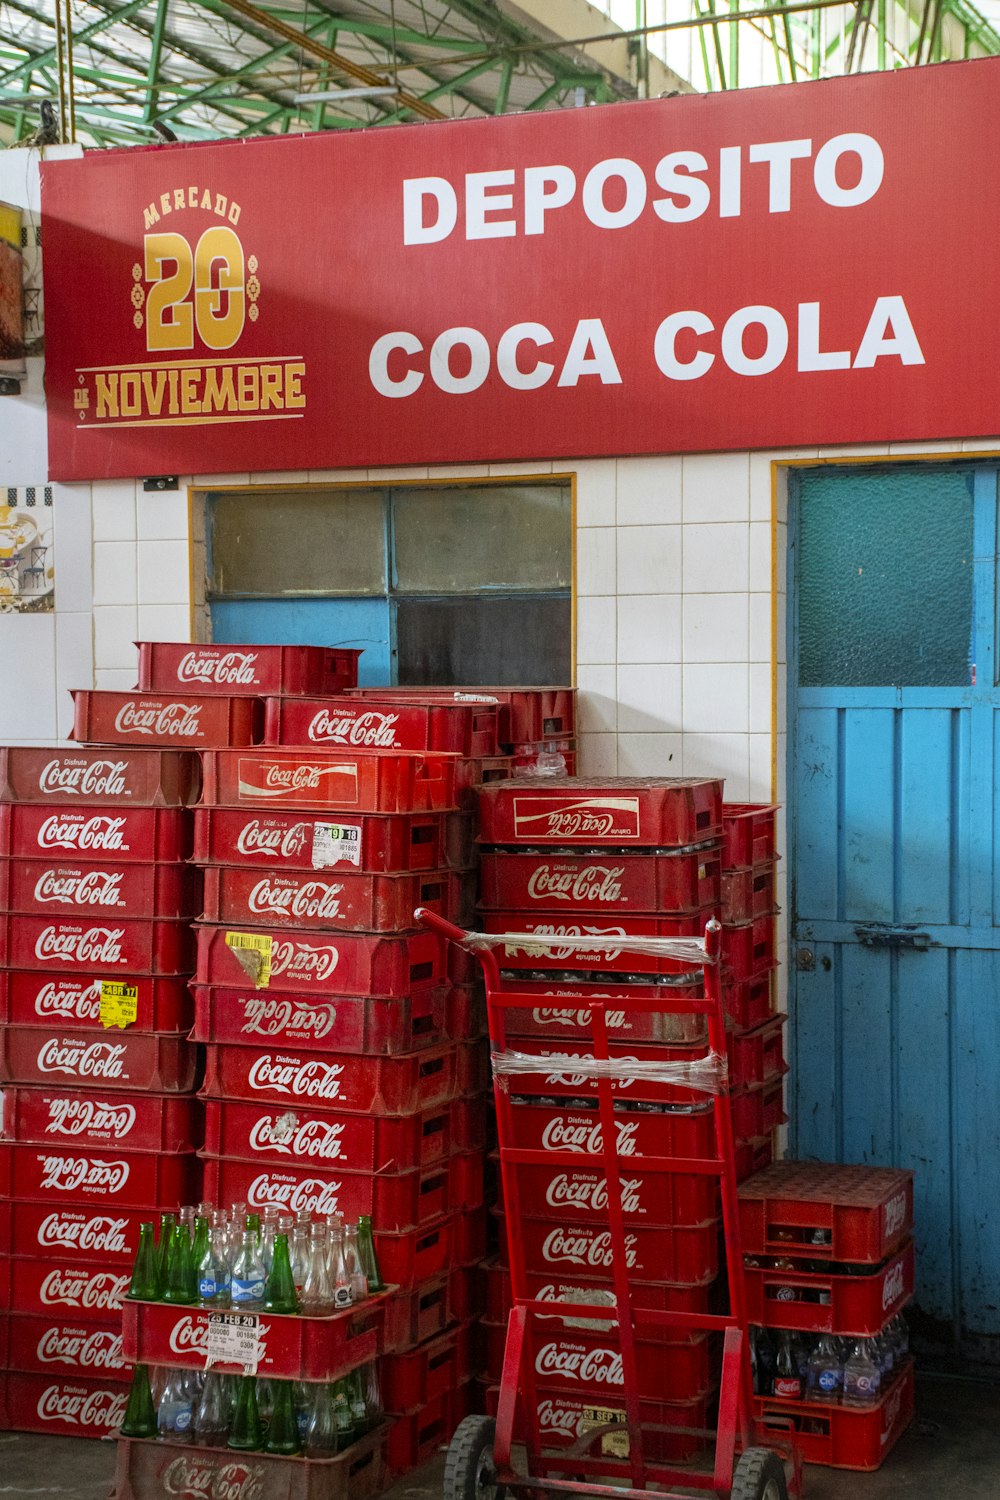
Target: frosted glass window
(297, 543)
(457, 540)
(885, 578)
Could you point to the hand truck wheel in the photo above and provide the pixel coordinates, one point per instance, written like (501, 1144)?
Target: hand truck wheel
(759, 1475)
(469, 1473)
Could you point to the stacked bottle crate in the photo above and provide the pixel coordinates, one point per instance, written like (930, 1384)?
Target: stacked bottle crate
(829, 1263)
(607, 859)
(97, 1074)
(756, 1038)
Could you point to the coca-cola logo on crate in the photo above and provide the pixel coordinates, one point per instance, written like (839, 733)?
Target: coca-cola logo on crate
(314, 1194)
(582, 1247)
(570, 1362)
(176, 720)
(83, 1059)
(72, 1174)
(82, 1286)
(556, 1417)
(256, 837)
(100, 1232)
(586, 817)
(97, 778)
(269, 1017)
(592, 883)
(103, 1410)
(86, 888)
(102, 832)
(314, 1079)
(231, 669)
(370, 730)
(591, 1193)
(577, 1018)
(189, 1335)
(192, 1478)
(563, 1133)
(82, 1349)
(79, 1115)
(303, 958)
(314, 899)
(292, 1137)
(95, 945)
(65, 1000)
(552, 950)
(277, 779)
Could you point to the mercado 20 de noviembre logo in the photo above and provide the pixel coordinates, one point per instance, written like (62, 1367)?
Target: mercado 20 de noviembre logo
(190, 298)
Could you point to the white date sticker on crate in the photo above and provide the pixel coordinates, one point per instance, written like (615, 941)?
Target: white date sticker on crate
(234, 1339)
(333, 843)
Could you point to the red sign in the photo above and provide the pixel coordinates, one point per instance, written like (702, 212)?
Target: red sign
(749, 269)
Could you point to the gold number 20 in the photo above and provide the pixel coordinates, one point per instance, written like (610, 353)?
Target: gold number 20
(219, 309)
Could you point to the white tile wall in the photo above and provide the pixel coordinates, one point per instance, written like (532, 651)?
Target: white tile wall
(649, 491)
(649, 559)
(649, 627)
(595, 560)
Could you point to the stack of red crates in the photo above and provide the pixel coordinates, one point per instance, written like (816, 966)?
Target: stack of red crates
(605, 858)
(97, 1073)
(344, 1067)
(828, 1249)
(756, 1037)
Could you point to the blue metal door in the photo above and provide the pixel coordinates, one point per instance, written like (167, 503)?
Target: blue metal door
(893, 836)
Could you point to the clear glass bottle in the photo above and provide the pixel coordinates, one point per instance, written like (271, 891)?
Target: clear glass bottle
(174, 1413)
(352, 1264)
(299, 1256)
(862, 1375)
(247, 1285)
(212, 1271)
(342, 1292)
(826, 1371)
(322, 1433)
(317, 1297)
(210, 1424)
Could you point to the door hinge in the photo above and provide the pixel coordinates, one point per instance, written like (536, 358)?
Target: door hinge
(883, 935)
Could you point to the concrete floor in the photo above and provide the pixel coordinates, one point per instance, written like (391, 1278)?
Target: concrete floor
(952, 1452)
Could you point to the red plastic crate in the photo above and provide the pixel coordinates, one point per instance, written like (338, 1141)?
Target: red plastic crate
(524, 955)
(347, 963)
(825, 1302)
(432, 1369)
(757, 1056)
(681, 1256)
(466, 1293)
(92, 1233)
(662, 812)
(758, 1109)
(161, 1122)
(395, 1202)
(96, 777)
(173, 666)
(347, 781)
(77, 945)
(113, 1179)
(460, 830)
(62, 1407)
(747, 1002)
(842, 1437)
(569, 1192)
(415, 1437)
(524, 714)
(657, 1296)
(418, 1255)
(119, 1059)
(749, 950)
(386, 843)
(564, 1082)
(68, 1347)
(349, 1023)
(754, 1155)
(39, 999)
(412, 1317)
(346, 1082)
(133, 835)
(562, 1418)
(107, 890)
(167, 719)
(601, 880)
(65, 1289)
(146, 1468)
(589, 1363)
(747, 894)
(292, 1347)
(749, 834)
(865, 1213)
(243, 897)
(348, 1143)
(373, 724)
(560, 1014)
(572, 1130)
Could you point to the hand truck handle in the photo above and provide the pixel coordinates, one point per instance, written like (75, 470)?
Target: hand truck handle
(441, 926)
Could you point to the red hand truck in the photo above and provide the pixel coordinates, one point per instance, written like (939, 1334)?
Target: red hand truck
(613, 1342)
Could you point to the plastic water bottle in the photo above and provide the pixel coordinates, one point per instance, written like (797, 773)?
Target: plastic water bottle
(826, 1371)
(862, 1376)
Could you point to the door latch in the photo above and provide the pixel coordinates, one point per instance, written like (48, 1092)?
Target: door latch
(883, 935)
(805, 960)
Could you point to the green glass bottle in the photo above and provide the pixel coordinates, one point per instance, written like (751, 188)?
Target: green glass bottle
(369, 1258)
(253, 1222)
(279, 1288)
(140, 1413)
(167, 1222)
(181, 1283)
(245, 1432)
(145, 1285)
(283, 1433)
(343, 1415)
(359, 1406)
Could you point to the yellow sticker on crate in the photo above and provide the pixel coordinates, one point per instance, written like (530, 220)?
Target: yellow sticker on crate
(119, 1003)
(252, 950)
(613, 1444)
